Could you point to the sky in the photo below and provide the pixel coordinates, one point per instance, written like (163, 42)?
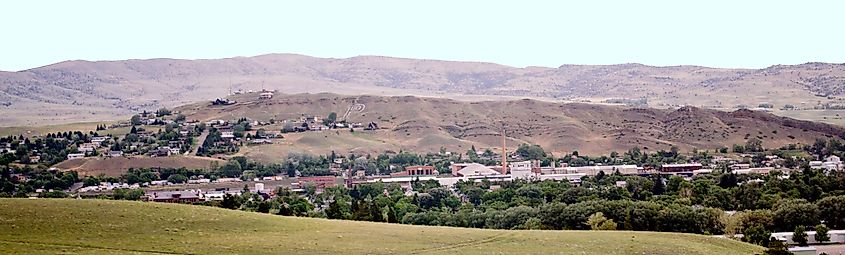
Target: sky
(716, 33)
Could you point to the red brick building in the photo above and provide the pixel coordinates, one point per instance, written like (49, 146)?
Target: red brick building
(174, 196)
(674, 168)
(420, 170)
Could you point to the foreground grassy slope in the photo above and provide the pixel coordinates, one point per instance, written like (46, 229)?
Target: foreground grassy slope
(119, 227)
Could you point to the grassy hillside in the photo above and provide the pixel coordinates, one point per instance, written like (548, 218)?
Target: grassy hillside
(119, 227)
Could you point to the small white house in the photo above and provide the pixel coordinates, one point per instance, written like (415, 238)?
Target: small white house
(75, 155)
(265, 95)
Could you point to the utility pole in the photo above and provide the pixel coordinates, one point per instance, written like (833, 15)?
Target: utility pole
(504, 151)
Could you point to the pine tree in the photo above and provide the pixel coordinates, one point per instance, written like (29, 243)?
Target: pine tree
(776, 247)
(391, 215)
(376, 213)
(333, 212)
(799, 236)
(659, 187)
(821, 233)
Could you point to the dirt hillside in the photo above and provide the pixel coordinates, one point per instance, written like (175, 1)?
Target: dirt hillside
(426, 124)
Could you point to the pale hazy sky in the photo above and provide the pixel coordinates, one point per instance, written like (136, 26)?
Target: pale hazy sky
(517, 33)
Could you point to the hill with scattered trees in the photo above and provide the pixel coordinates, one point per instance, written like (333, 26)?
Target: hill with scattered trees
(423, 124)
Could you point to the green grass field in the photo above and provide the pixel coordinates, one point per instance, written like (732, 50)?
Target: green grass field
(65, 226)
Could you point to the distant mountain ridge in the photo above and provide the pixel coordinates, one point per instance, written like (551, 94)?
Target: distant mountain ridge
(83, 90)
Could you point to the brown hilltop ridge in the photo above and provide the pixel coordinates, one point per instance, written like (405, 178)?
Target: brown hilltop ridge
(75, 91)
(427, 123)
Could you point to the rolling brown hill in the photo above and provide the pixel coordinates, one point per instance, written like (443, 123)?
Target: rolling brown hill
(427, 123)
(76, 91)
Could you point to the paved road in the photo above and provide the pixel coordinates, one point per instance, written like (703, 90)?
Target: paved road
(835, 249)
(199, 141)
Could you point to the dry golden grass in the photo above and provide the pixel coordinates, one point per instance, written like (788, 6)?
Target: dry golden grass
(425, 124)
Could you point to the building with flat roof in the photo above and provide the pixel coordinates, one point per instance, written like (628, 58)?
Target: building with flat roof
(472, 169)
(420, 170)
(181, 196)
(673, 168)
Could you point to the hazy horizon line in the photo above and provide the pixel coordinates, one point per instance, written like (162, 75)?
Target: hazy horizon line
(412, 58)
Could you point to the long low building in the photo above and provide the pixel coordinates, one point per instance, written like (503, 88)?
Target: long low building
(836, 236)
(674, 168)
(610, 169)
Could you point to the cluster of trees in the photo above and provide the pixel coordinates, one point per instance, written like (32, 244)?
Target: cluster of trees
(145, 175)
(634, 156)
(163, 112)
(804, 200)
(285, 203)
(137, 118)
(215, 144)
(154, 140)
(35, 178)
(51, 148)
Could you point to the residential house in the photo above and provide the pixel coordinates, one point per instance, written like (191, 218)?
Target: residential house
(19, 177)
(213, 123)
(98, 140)
(318, 127)
(261, 141)
(114, 154)
(272, 178)
(228, 180)
(265, 95)
(75, 155)
(832, 163)
(740, 166)
(88, 147)
(754, 170)
(371, 126)
(182, 196)
(227, 133)
(674, 168)
(161, 151)
(159, 183)
(218, 195)
(174, 144)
